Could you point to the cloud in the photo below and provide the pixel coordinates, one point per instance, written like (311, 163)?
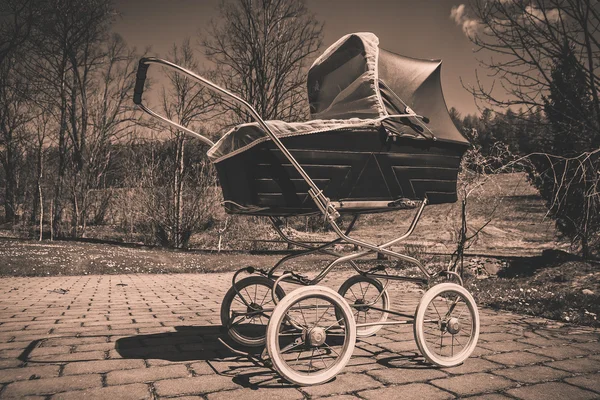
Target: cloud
(457, 13)
(531, 14)
(469, 25)
(552, 14)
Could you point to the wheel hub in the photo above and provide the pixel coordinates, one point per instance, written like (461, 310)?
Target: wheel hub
(316, 337)
(453, 326)
(359, 305)
(253, 308)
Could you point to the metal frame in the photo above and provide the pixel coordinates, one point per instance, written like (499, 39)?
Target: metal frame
(328, 208)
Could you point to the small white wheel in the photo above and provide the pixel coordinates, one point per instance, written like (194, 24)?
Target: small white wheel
(446, 325)
(307, 342)
(246, 312)
(363, 293)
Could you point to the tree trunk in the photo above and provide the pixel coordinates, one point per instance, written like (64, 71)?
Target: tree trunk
(178, 192)
(62, 154)
(10, 190)
(41, 196)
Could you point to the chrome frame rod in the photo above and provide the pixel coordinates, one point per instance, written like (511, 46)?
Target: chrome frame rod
(375, 249)
(318, 194)
(309, 249)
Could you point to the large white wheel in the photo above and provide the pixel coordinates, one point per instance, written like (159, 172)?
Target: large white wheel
(446, 325)
(363, 293)
(246, 311)
(307, 342)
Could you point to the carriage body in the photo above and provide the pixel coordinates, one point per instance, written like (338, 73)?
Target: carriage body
(359, 169)
(362, 147)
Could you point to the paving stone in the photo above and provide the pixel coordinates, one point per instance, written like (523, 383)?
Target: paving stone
(25, 373)
(590, 382)
(10, 363)
(102, 366)
(63, 358)
(505, 346)
(560, 352)
(590, 347)
(260, 394)
(551, 390)
(51, 350)
(490, 396)
(177, 317)
(406, 375)
(146, 374)
(51, 385)
(363, 364)
(532, 374)
(516, 358)
(577, 365)
(470, 384)
(400, 347)
(343, 383)
(497, 337)
(196, 385)
(340, 397)
(542, 341)
(473, 365)
(125, 392)
(416, 391)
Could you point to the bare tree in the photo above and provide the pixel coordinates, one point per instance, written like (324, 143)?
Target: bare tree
(526, 38)
(17, 20)
(38, 142)
(546, 55)
(71, 64)
(261, 50)
(111, 116)
(178, 185)
(15, 113)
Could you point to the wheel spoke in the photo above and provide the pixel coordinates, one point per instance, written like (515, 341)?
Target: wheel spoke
(322, 315)
(436, 310)
(320, 355)
(303, 317)
(330, 348)
(250, 297)
(335, 323)
(264, 297)
(238, 300)
(292, 345)
(362, 293)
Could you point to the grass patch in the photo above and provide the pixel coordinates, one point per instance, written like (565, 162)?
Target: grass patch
(567, 291)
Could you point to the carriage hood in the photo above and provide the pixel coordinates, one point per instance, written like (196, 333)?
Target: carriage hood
(355, 84)
(356, 78)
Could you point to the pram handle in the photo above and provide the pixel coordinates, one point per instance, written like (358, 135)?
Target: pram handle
(140, 82)
(322, 202)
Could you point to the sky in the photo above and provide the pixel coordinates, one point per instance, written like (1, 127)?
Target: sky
(415, 28)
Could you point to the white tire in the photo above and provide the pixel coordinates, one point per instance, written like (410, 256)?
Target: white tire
(312, 309)
(447, 312)
(256, 292)
(359, 290)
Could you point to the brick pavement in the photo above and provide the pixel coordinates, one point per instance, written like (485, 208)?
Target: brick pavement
(154, 337)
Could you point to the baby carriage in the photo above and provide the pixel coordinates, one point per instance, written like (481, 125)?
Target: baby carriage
(364, 151)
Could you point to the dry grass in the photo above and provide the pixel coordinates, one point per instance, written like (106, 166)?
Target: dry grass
(546, 286)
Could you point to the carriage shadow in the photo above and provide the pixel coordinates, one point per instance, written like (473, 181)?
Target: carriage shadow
(201, 343)
(187, 343)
